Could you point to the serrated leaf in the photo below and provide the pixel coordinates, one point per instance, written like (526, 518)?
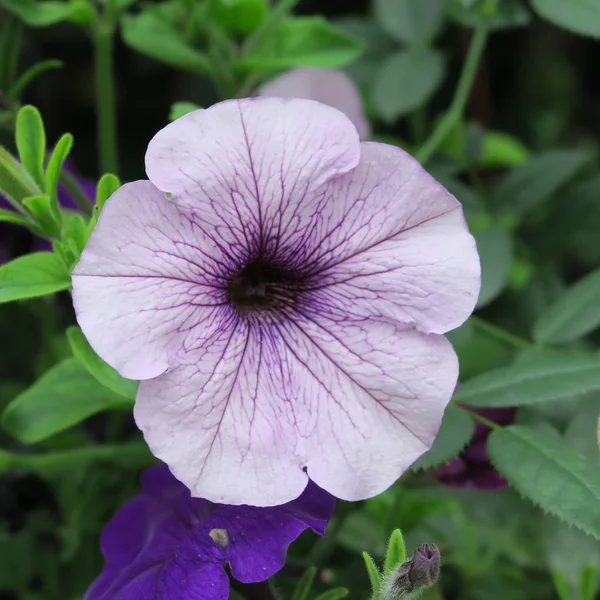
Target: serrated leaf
(406, 80)
(578, 16)
(574, 314)
(550, 473)
(396, 551)
(304, 586)
(495, 249)
(455, 432)
(373, 572)
(64, 396)
(410, 21)
(551, 377)
(527, 187)
(32, 275)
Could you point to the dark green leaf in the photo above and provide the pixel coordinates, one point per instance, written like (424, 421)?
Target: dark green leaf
(304, 586)
(64, 396)
(550, 377)
(574, 314)
(238, 16)
(406, 80)
(32, 275)
(410, 21)
(104, 373)
(530, 185)
(41, 14)
(578, 16)
(551, 474)
(303, 41)
(30, 75)
(455, 432)
(142, 32)
(508, 14)
(495, 249)
(334, 594)
(31, 143)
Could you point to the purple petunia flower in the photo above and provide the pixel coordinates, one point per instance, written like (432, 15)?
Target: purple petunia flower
(285, 305)
(472, 469)
(165, 544)
(329, 86)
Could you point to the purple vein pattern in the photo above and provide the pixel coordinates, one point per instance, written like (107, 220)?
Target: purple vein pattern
(163, 544)
(284, 307)
(329, 86)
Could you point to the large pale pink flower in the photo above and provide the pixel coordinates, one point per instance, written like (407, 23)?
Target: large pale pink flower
(284, 306)
(329, 86)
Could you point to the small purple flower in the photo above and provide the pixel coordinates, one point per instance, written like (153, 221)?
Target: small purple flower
(285, 305)
(472, 469)
(165, 544)
(328, 86)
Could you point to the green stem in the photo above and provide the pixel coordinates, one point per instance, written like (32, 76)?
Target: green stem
(77, 192)
(10, 46)
(501, 334)
(484, 421)
(459, 103)
(105, 97)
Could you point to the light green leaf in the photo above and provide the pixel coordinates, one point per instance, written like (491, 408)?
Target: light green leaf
(551, 474)
(410, 21)
(574, 314)
(588, 583)
(406, 80)
(455, 433)
(64, 396)
(107, 186)
(41, 209)
(503, 150)
(530, 185)
(550, 377)
(304, 586)
(15, 181)
(303, 41)
(238, 17)
(104, 373)
(32, 275)
(9, 216)
(179, 109)
(373, 572)
(142, 33)
(396, 552)
(495, 249)
(578, 16)
(55, 164)
(31, 143)
(41, 14)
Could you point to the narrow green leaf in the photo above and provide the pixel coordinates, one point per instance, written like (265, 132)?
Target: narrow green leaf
(334, 594)
(543, 468)
(64, 396)
(588, 582)
(107, 186)
(305, 584)
(104, 373)
(41, 209)
(549, 377)
(142, 31)
(410, 21)
(31, 143)
(574, 314)
(179, 109)
(32, 275)
(373, 572)
(9, 216)
(529, 186)
(302, 41)
(396, 551)
(561, 586)
(30, 75)
(58, 157)
(495, 249)
(15, 181)
(578, 16)
(406, 80)
(455, 432)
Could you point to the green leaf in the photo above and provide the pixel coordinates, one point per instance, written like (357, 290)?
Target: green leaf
(64, 396)
(495, 249)
(373, 572)
(410, 21)
(32, 275)
(396, 552)
(238, 17)
(179, 109)
(406, 80)
(455, 433)
(578, 16)
(507, 14)
(142, 31)
(31, 143)
(530, 185)
(107, 186)
(561, 586)
(104, 373)
(551, 474)
(574, 314)
(503, 150)
(9, 216)
(334, 594)
(588, 582)
(15, 183)
(30, 75)
(305, 584)
(41, 209)
(40, 14)
(302, 41)
(549, 377)
(55, 164)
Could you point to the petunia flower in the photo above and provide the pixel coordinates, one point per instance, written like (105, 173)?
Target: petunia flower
(284, 305)
(472, 469)
(164, 544)
(329, 86)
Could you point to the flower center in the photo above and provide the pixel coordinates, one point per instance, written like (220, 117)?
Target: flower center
(262, 285)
